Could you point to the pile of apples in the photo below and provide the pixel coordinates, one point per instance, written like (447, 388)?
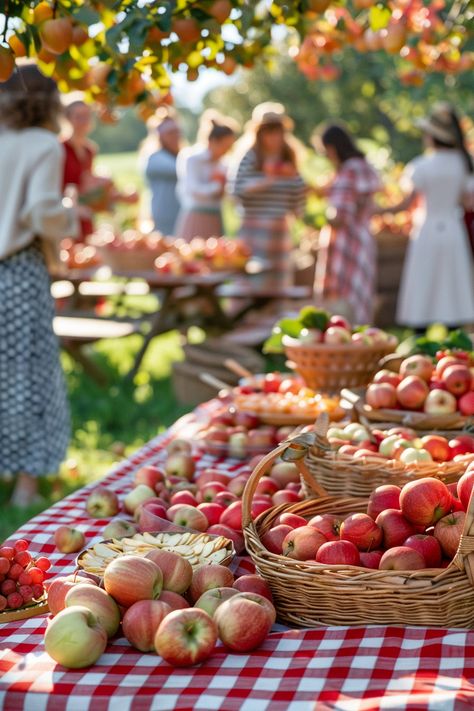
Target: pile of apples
(203, 256)
(338, 331)
(162, 605)
(440, 388)
(172, 499)
(130, 240)
(21, 576)
(402, 443)
(78, 256)
(239, 434)
(415, 527)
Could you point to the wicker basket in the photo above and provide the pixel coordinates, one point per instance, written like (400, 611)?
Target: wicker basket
(310, 594)
(347, 476)
(329, 368)
(407, 418)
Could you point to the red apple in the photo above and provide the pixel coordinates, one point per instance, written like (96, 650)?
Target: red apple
(183, 497)
(464, 487)
(58, 588)
(189, 517)
(383, 497)
(328, 525)
(448, 532)
(232, 516)
(387, 376)
(437, 446)
(338, 553)
(395, 527)
(338, 320)
(178, 446)
(466, 404)
(150, 476)
(285, 497)
(141, 621)
(212, 512)
(273, 538)
(212, 599)
(292, 520)
(246, 419)
(381, 396)
(361, 530)
(253, 584)
(154, 518)
(186, 637)
(102, 605)
(459, 446)
(303, 543)
(445, 363)
(69, 540)
(225, 499)
(419, 365)
(259, 507)
(177, 571)
(425, 501)
(285, 473)
(412, 392)
(236, 486)
(74, 638)
(402, 558)
(209, 491)
(371, 559)
(175, 601)
(102, 503)
(209, 475)
(336, 335)
(243, 622)
(457, 379)
(235, 536)
(440, 402)
(428, 546)
(206, 577)
(130, 578)
(267, 486)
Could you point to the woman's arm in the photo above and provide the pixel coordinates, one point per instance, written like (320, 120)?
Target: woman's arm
(248, 180)
(401, 206)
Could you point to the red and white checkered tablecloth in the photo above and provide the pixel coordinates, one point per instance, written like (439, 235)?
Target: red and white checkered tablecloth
(349, 669)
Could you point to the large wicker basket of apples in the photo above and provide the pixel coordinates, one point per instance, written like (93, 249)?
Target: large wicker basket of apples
(425, 393)
(327, 352)
(402, 557)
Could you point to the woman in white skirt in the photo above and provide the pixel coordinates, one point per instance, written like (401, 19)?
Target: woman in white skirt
(438, 279)
(34, 416)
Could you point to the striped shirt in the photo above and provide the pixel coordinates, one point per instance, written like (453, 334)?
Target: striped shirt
(282, 197)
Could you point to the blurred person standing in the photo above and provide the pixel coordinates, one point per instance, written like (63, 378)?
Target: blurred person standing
(34, 415)
(97, 192)
(160, 172)
(345, 278)
(438, 276)
(202, 178)
(270, 190)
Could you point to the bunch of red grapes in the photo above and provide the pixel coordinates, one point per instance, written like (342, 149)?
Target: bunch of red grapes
(21, 577)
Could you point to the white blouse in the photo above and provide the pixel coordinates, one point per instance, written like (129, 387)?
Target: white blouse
(31, 170)
(197, 187)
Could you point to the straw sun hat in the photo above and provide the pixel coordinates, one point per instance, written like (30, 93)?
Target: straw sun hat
(440, 124)
(269, 114)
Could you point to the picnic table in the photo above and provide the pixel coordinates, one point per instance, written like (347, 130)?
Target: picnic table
(343, 668)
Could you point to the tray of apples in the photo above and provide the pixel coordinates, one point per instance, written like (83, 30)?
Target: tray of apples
(424, 393)
(78, 256)
(129, 250)
(205, 258)
(281, 399)
(358, 442)
(22, 592)
(238, 434)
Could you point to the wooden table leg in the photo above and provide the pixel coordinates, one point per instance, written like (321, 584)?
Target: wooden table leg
(157, 326)
(74, 349)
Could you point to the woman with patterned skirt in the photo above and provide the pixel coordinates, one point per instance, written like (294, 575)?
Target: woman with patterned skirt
(345, 277)
(34, 419)
(270, 190)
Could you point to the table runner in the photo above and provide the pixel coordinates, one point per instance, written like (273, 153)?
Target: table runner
(350, 669)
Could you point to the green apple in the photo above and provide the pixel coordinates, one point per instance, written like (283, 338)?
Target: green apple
(74, 638)
(415, 455)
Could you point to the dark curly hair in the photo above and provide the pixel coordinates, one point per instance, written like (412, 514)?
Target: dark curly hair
(29, 99)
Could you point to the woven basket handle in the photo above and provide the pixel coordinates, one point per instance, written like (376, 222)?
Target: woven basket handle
(464, 558)
(299, 444)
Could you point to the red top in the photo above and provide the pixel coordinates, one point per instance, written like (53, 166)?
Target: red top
(75, 167)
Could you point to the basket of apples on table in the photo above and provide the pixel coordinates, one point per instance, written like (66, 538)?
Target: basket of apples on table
(425, 391)
(327, 352)
(131, 250)
(403, 556)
